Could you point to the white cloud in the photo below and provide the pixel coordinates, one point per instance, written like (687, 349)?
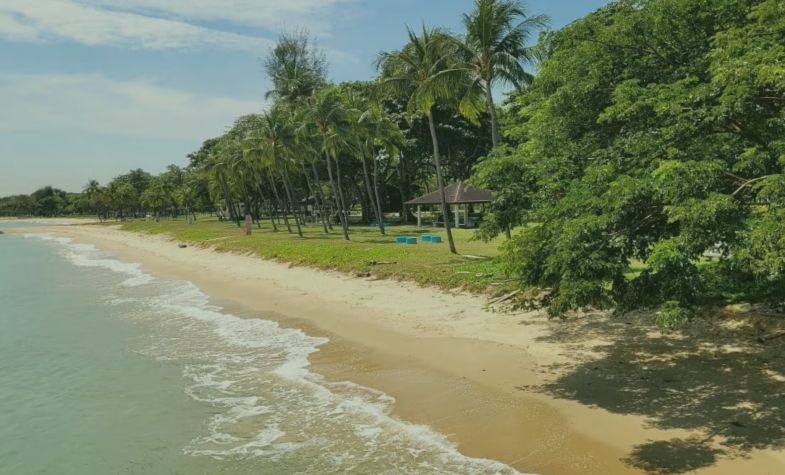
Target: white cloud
(96, 104)
(13, 29)
(268, 14)
(160, 24)
(67, 19)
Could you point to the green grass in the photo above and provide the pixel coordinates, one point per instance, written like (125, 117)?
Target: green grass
(424, 263)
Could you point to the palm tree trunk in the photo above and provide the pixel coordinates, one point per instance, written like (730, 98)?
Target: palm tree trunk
(376, 193)
(402, 188)
(321, 196)
(278, 200)
(264, 201)
(317, 200)
(440, 182)
(290, 196)
(344, 224)
(494, 120)
(370, 192)
(344, 208)
(228, 198)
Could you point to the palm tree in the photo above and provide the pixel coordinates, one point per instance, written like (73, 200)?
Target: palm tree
(184, 196)
(91, 190)
(412, 72)
(217, 166)
(155, 197)
(380, 132)
(296, 69)
(271, 141)
(305, 149)
(325, 111)
(493, 50)
(356, 98)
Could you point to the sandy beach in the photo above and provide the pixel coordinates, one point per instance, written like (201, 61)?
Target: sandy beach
(592, 395)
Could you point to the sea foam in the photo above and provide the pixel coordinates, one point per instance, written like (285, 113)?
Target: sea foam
(267, 405)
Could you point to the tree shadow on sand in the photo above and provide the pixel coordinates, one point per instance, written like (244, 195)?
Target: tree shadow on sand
(673, 456)
(717, 380)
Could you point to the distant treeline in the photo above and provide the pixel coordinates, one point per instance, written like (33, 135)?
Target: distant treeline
(46, 202)
(134, 194)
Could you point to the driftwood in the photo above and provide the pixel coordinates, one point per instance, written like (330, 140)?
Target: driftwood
(505, 297)
(773, 336)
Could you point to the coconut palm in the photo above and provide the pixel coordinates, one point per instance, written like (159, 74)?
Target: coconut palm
(412, 72)
(272, 141)
(185, 196)
(155, 197)
(355, 96)
(217, 168)
(305, 151)
(379, 133)
(325, 112)
(296, 69)
(91, 190)
(493, 50)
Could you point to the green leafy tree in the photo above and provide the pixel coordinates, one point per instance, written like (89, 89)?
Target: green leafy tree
(653, 135)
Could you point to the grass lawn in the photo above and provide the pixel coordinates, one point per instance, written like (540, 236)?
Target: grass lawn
(368, 251)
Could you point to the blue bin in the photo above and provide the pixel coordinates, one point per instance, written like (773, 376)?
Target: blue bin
(436, 239)
(400, 239)
(411, 240)
(426, 237)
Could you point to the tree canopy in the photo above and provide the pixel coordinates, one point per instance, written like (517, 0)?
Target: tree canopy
(648, 155)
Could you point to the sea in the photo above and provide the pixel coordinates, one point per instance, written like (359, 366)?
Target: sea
(105, 369)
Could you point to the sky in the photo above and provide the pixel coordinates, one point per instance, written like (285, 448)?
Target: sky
(93, 88)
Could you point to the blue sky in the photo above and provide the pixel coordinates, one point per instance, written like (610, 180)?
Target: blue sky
(92, 88)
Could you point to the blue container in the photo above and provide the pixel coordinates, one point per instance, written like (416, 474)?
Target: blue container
(400, 239)
(436, 239)
(426, 237)
(411, 240)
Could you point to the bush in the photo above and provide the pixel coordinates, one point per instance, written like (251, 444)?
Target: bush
(672, 315)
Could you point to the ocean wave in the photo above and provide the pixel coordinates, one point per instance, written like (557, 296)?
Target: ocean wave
(268, 406)
(87, 255)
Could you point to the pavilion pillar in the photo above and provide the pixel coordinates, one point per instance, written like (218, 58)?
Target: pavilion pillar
(466, 215)
(457, 209)
(419, 217)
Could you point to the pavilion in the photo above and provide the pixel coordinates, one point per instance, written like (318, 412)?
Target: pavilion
(459, 196)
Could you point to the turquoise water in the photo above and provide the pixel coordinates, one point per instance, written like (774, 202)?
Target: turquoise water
(107, 370)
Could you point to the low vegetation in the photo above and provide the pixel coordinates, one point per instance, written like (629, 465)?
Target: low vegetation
(367, 254)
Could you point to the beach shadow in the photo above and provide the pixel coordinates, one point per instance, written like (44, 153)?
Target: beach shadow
(672, 456)
(716, 380)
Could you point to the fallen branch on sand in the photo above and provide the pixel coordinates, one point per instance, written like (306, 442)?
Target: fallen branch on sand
(505, 297)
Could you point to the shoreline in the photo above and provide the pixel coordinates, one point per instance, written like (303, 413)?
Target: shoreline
(450, 363)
